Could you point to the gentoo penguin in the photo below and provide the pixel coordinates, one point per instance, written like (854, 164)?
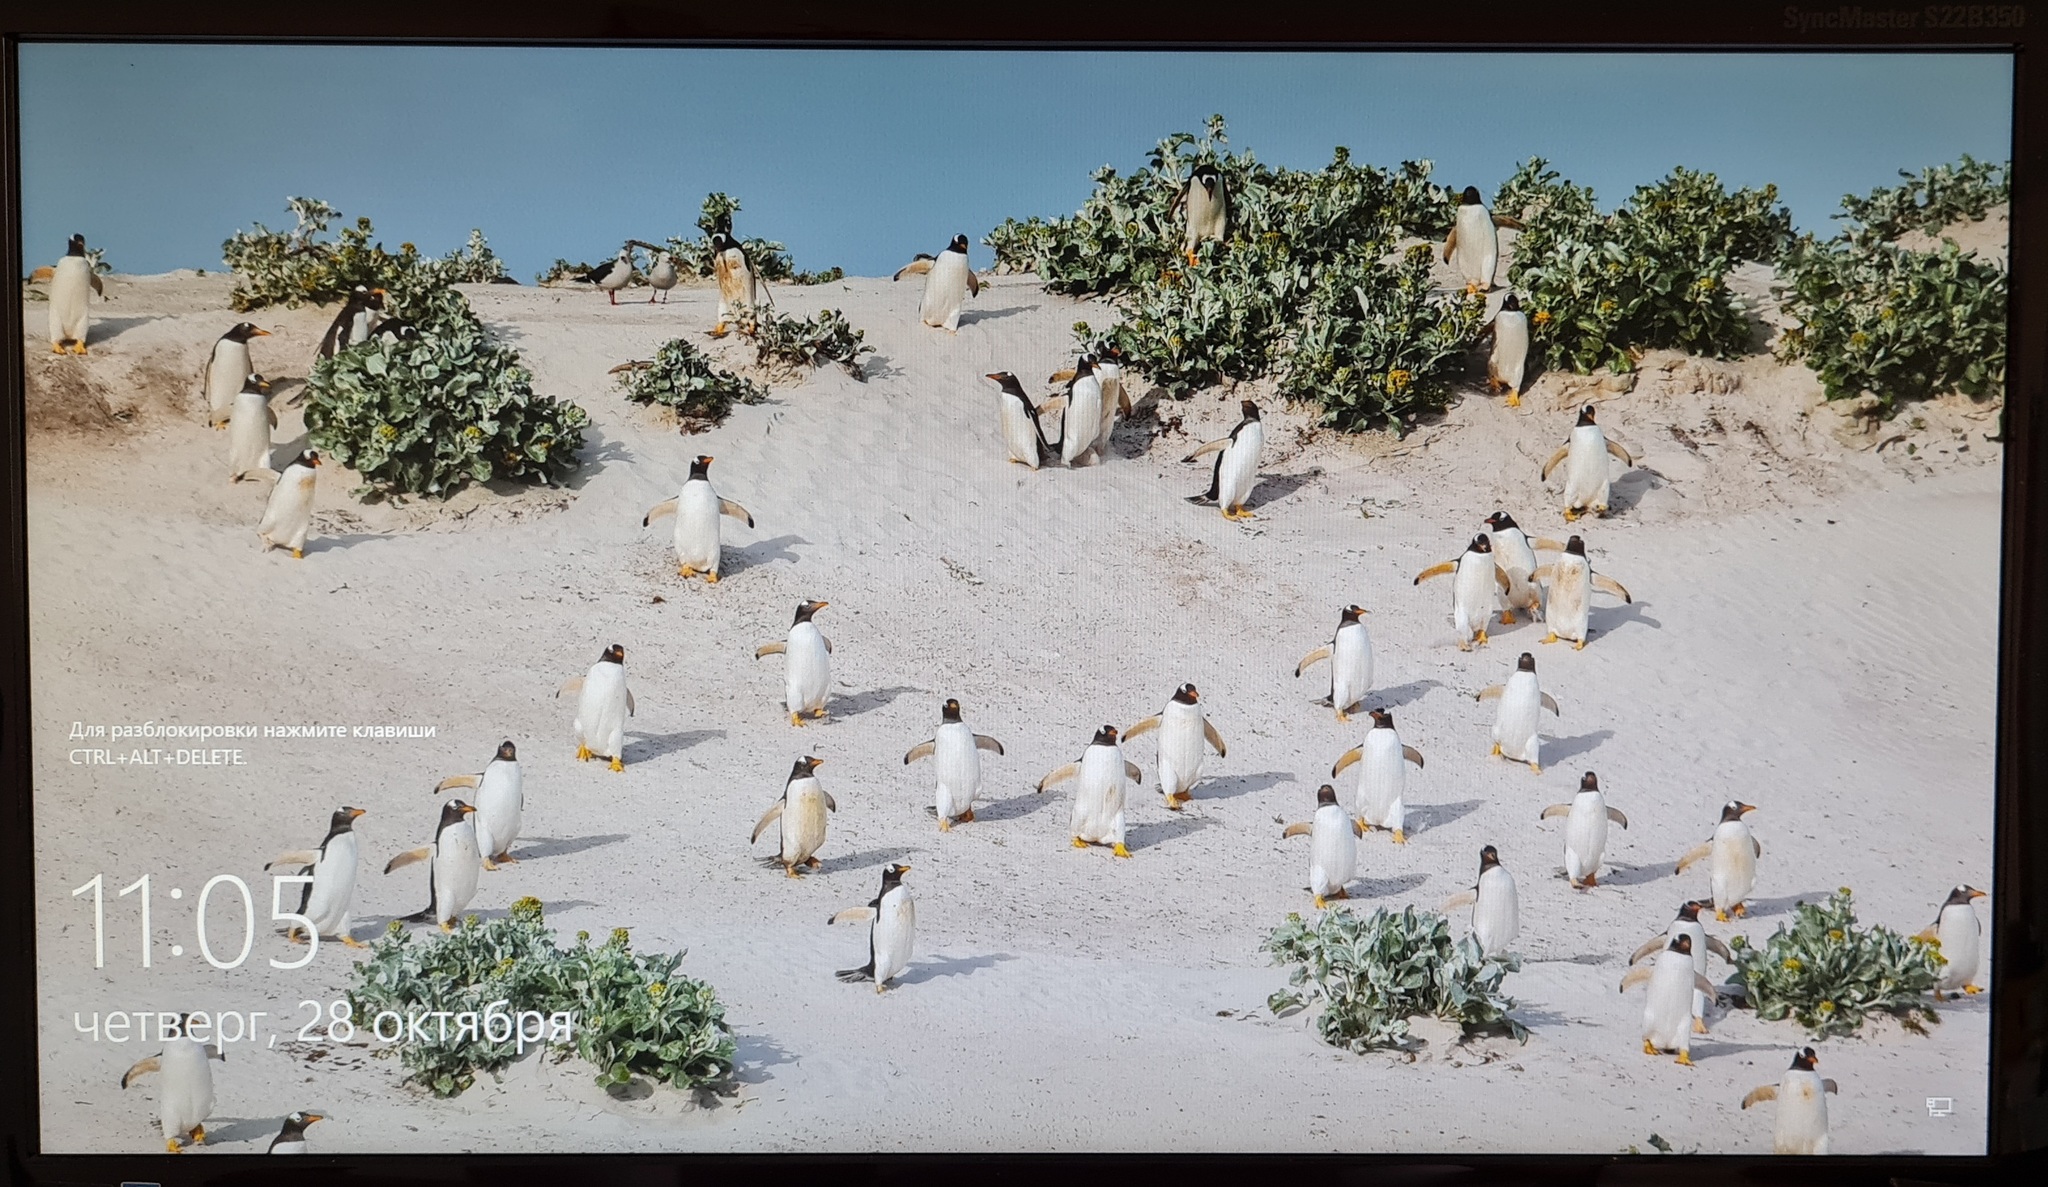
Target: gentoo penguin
(70, 316)
(292, 1138)
(1585, 472)
(354, 323)
(1098, 817)
(185, 1095)
(801, 808)
(1958, 937)
(697, 510)
(453, 860)
(500, 801)
(1382, 776)
(1732, 870)
(1080, 412)
(1333, 847)
(602, 706)
(1571, 582)
(1515, 553)
(1207, 201)
(225, 369)
(1472, 243)
(1667, 1011)
(739, 291)
(1109, 370)
(613, 275)
(1237, 465)
(249, 431)
(325, 899)
(1585, 831)
(399, 328)
(1183, 731)
(661, 277)
(1350, 656)
(1496, 910)
(1509, 357)
(1522, 701)
(892, 920)
(1476, 591)
(955, 752)
(1802, 1096)
(289, 514)
(1023, 436)
(948, 282)
(807, 668)
(1688, 924)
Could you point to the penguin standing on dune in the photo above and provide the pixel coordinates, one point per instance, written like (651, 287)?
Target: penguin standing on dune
(1522, 701)
(1731, 855)
(1382, 777)
(948, 282)
(892, 924)
(955, 751)
(355, 321)
(1100, 776)
(1080, 412)
(1183, 731)
(1960, 941)
(70, 314)
(1333, 847)
(292, 1138)
(1585, 831)
(1207, 203)
(698, 509)
(613, 275)
(500, 803)
(1802, 1096)
(1571, 582)
(1688, 924)
(1350, 656)
(603, 703)
(226, 369)
(1473, 245)
(453, 861)
(1509, 357)
(1475, 592)
(1515, 553)
(325, 900)
(1237, 465)
(1667, 1010)
(1586, 484)
(289, 514)
(807, 671)
(1496, 907)
(185, 1086)
(1023, 435)
(801, 809)
(739, 289)
(249, 430)
(1109, 371)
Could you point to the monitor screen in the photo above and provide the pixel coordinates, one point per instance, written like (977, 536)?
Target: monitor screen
(737, 600)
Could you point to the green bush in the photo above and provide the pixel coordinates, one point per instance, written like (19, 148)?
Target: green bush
(632, 1014)
(297, 267)
(683, 378)
(810, 342)
(434, 412)
(769, 259)
(1372, 975)
(1937, 198)
(1828, 974)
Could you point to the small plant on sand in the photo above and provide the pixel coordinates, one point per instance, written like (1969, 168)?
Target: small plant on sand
(683, 378)
(1371, 975)
(300, 266)
(1828, 975)
(810, 342)
(1930, 202)
(768, 259)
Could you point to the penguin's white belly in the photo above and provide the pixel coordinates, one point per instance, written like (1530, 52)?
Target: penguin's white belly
(1667, 1008)
(697, 526)
(69, 318)
(1960, 941)
(895, 925)
(187, 1087)
(601, 711)
(1382, 781)
(297, 1147)
(945, 290)
(456, 863)
(803, 822)
(1350, 666)
(1496, 917)
(1111, 379)
(249, 434)
(1571, 601)
(1334, 856)
(958, 765)
(737, 289)
(1083, 414)
(334, 884)
(1515, 725)
(1206, 215)
(808, 671)
(359, 329)
(1099, 797)
(1020, 438)
(1734, 867)
(1698, 934)
(289, 515)
(1510, 348)
(1473, 594)
(499, 802)
(1802, 1123)
(1512, 553)
(1585, 836)
(1585, 469)
(1181, 743)
(224, 379)
(1478, 249)
(1240, 470)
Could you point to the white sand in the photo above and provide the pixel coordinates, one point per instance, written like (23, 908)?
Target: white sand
(1813, 632)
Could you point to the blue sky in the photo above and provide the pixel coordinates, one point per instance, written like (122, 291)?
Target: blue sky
(860, 159)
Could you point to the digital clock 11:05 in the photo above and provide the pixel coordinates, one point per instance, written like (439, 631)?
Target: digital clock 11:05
(141, 888)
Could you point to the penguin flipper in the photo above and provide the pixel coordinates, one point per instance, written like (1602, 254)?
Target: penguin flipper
(924, 749)
(1314, 657)
(1617, 816)
(1830, 1086)
(273, 416)
(1652, 945)
(1545, 544)
(1132, 772)
(1215, 739)
(1562, 452)
(294, 857)
(1463, 898)
(1544, 573)
(665, 507)
(729, 508)
(1065, 376)
(1346, 760)
(1412, 755)
(632, 708)
(1435, 571)
(1508, 221)
(1208, 447)
(831, 805)
(1052, 404)
(1614, 447)
(142, 1067)
(853, 915)
(984, 742)
(1300, 828)
(916, 267)
(1450, 244)
(865, 972)
(973, 284)
(1760, 1094)
(1555, 810)
(1705, 986)
(572, 684)
(1637, 976)
(454, 781)
(1490, 692)
(767, 818)
(1757, 845)
(1612, 586)
(1059, 775)
(409, 857)
(1550, 703)
(1143, 727)
(1500, 578)
(1697, 853)
(828, 644)
(1715, 946)
(767, 649)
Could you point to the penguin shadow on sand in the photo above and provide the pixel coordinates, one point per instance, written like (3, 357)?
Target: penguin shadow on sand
(970, 317)
(1627, 490)
(1232, 786)
(754, 1055)
(1421, 818)
(1615, 873)
(1276, 488)
(1023, 804)
(950, 966)
(105, 328)
(222, 1130)
(1364, 893)
(1557, 750)
(643, 747)
(863, 702)
(778, 550)
(1148, 833)
(1764, 908)
(862, 859)
(593, 458)
(1392, 698)
(1604, 619)
(529, 849)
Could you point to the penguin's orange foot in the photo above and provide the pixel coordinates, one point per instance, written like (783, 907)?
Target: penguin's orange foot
(352, 942)
(1973, 990)
(796, 719)
(712, 576)
(583, 753)
(1592, 880)
(506, 859)
(1685, 1059)
(685, 571)
(1119, 850)
(1079, 843)
(789, 871)
(1340, 892)
(1699, 1026)
(1514, 400)
(1343, 716)
(1321, 903)
(945, 824)
(1742, 910)
(1400, 838)
(78, 348)
(813, 862)
(1550, 638)
(1570, 515)
(1191, 259)
(490, 865)
(1496, 750)
(1172, 805)
(1720, 916)
(1472, 289)
(1536, 768)
(1480, 638)
(618, 764)
(1579, 645)
(1362, 825)
(818, 712)
(1650, 1048)
(170, 1144)
(298, 554)
(720, 330)
(447, 926)
(1507, 618)
(58, 348)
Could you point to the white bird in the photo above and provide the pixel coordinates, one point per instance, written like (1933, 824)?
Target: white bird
(289, 514)
(1521, 704)
(1688, 924)
(801, 808)
(325, 900)
(226, 369)
(1667, 1011)
(1802, 1096)
(739, 289)
(185, 1095)
(70, 312)
(500, 803)
(661, 277)
(1496, 907)
(1183, 731)
(453, 860)
(1023, 434)
(1382, 776)
(948, 282)
(1350, 656)
(1207, 201)
(1333, 848)
(292, 1138)
(1585, 831)
(1571, 582)
(1515, 553)
(1237, 465)
(955, 752)
(1508, 360)
(613, 275)
(1474, 243)
(1098, 817)
(1080, 409)
(807, 673)
(892, 920)
(1732, 870)
(603, 703)
(1586, 484)
(1475, 591)
(249, 428)
(698, 510)
(1959, 939)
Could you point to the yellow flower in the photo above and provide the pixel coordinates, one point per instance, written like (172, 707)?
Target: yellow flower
(1859, 338)
(1793, 965)
(1706, 284)
(1835, 934)
(619, 936)
(1827, 1007)
(505, 965)
(473, 432)
(1398, 380)
(387, 433)
(1888, 313)
(1608, 306)
(1542, 317)
(657, 989)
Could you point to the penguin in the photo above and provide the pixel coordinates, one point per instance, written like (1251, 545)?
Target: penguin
(801, 808)
(1688, 924)
(226, 368)
(1109, 371)
(1350, 656)
(613, 275)
(1802, 1096)
(602, 706)
(292, 1138)
(1183, 729)
(1509, 356)
(1667, 1011)
(1207, 201)
(249, 431)
(1732, 870)
(1098, 817)
(698, 510)
(186, 1095)
(1958, 937)
(500, 800)
(1080, 411)
(1521, 703)
(70, 315)
(948, 282)
(1023, 435)
(353, 323)
(325, 900)
(1570, 580)
(400, 329)
(1475, 592)
(1585, 831)
(1473, 242)
(1585, 473)
(739, 290)
(807, 671)
(1382, 777)
(289, 514)
(453, 859)
(661, 277)
(1496, 910)
(892, 923)
(1237, 465)
(1333, 847)
(956, 753)
(1515, 553)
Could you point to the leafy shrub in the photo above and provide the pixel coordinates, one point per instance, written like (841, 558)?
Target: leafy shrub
(683, 378)
(810, 342)
(1828, 974)
(299, 267)
(632, 1014)
(449, 406)
(1372, 975)
(769, 259)
(1937, 198)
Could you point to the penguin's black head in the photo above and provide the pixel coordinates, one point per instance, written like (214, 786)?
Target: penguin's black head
(701, 468)
(344, 819)
(507, 752)
(1682, 944)
(950, 711)
(805, 766)
(1382, 719)
(76, 246)
(1489, 857)
(244, 331)
(1962, 895)
(1500, 521)
(892, 876)
(295, 1125)
(1106, 736)
(1513, 304)
(1187, 695)
(309, 458)
(1586, 416)
(1481, 544)
(959, 244)
(720, 241)
(1008, 382)
(1470, 197)
(376, 298)
(1589, 782)
(1208, 176)
(1349, 616)
(1325, 794)
(1576, 546)
(1734, 810)
(255, 383)
(1805, 1060)
(453, 811)
(1527, 663)
(1085, 363)
(807, 609)
(1690, 911)
(1250, 410)
(614, 654)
